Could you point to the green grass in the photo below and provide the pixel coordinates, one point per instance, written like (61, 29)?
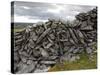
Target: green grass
(18, 30)
(82, 63)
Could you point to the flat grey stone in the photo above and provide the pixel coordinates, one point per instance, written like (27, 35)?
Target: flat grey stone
(89, 50)
(27, 68)
(44, 53)
(48, 62)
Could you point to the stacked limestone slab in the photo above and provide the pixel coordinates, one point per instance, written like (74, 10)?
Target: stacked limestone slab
(39, 47)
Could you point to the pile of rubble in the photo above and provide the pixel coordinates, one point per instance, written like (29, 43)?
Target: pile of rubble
(39, 47)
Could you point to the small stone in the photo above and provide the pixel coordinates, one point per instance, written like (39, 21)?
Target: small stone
(77, 57)
(87, 28)
(73, 58)
(29, 62)
(52, 36)
(43, 52)
(89, 50)
(83, 24)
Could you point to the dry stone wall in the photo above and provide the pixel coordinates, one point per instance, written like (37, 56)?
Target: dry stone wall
(39, 47)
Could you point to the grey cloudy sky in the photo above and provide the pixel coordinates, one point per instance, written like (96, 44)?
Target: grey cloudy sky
(35, 11)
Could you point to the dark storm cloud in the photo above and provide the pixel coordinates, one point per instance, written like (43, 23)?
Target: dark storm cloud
(43, 11)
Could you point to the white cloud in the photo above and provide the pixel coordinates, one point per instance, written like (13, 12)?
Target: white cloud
(66, 12)
(70, 18)
(57, 9)
(26, 19)
(26, 7)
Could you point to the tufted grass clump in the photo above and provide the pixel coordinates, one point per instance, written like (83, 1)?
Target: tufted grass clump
(83, 63)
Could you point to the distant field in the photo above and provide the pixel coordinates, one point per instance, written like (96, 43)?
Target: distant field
(20, 26)
(17, 30)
